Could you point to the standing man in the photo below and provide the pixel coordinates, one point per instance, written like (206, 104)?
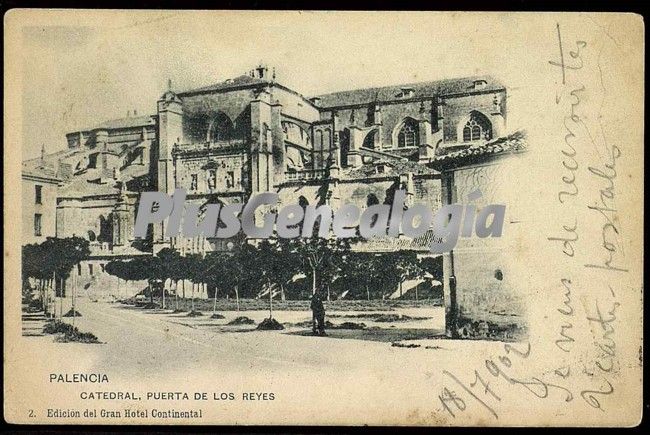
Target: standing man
(318, 311)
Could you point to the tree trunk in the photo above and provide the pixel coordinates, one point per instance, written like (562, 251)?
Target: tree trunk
(183, 284)
(150, 293)
(74, 289)
(193, 285)
(46, 308)
(52, 296)
(368, 291)
(53, 286)
(214, 307)
(270, 299)
(313, 280)
(237, 296)
(176, 293)
(163, 294)
(400, 289)
(40, 293)
(328, 292)
(60, 297)
(282, 295)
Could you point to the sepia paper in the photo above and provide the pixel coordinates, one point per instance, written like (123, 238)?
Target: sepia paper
(540, 325)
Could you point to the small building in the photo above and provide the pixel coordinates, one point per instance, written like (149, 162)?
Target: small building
(40, 184)
(482, 289)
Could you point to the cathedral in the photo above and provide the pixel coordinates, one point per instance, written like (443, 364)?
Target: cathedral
(224, 142)
(250, 134)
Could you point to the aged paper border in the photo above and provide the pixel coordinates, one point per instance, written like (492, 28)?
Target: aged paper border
(14, 400)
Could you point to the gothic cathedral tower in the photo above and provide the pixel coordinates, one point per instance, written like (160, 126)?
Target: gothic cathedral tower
(170, 132)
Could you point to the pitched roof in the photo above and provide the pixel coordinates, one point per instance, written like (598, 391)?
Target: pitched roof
(80, 187)
(513, 143)
(50, 158)
(129, 122)
(423, 89)
(242, 80)
(40, 172)
(397, 166)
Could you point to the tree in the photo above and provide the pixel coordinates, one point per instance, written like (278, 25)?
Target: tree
(217, 273)
(170, 262)
(32, 267)
(316, 254)
(37, 264)
(117, 268)
(192, 269)
(285, 264)
(53, 260)
(276, 266)
(406, 267)
(137, 269)
(359, 272)
(433, 265)
(244, 270)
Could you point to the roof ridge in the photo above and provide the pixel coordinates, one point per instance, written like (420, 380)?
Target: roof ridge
(106, 124)
(421, 83)
(240, 80)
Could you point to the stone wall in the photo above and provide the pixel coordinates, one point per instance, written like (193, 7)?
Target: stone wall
(229, 171)
(47, 208)
(426, 190)
(82, 215)
(487, 301)
(456, 112)
(95, 283)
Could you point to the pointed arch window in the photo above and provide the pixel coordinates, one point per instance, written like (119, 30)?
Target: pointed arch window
(477, 128)
(221, 128)
(409, 135)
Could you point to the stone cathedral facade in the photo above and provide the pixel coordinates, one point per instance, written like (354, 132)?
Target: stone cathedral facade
(225, 142)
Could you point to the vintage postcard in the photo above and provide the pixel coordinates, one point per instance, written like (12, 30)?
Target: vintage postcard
(323, 218)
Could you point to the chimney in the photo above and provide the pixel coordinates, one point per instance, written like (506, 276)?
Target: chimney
(480, 84)
(261, 71)
(135, 112)
(315, 101)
